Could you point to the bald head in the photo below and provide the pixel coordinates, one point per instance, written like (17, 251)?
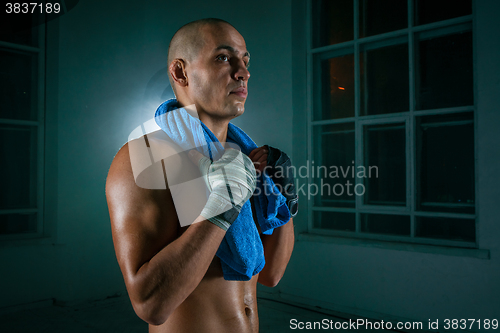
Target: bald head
(189, 40)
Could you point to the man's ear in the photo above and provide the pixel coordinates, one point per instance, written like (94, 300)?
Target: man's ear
(177, 70)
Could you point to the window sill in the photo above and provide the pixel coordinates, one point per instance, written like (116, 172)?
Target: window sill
(397, 246)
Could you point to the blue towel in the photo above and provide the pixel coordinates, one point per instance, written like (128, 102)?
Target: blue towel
(241, 251)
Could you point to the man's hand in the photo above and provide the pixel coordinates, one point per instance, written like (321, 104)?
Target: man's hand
(231, 181)
(259, 158)
(279, 167)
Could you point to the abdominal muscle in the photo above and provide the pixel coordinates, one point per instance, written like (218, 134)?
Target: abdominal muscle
(216, 305)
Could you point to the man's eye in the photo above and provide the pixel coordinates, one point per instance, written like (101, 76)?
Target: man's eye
(223, 57)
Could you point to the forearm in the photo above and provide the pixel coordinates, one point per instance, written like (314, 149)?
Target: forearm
(278, 246)
(278, 249)
(163, 283)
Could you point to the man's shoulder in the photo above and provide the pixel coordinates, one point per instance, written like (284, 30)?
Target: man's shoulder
(153, 162)
(134, 194)
(120, 166)
(156, 143)
(144, 159)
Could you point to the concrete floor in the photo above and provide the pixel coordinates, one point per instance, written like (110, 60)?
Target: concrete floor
(116, 315)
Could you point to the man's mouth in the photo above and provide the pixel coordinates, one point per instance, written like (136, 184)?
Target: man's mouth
(240, 92)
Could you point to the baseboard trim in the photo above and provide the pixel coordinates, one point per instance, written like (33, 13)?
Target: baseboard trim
(27, 306)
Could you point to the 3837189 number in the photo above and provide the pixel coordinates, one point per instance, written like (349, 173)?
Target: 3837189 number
(470, 324)
(32, 7)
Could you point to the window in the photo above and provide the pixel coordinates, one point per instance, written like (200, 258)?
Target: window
(392, 121)
(22, 55)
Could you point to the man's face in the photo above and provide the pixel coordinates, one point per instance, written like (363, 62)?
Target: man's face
(218, 76)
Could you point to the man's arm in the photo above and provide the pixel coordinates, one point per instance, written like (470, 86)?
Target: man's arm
(278, 247)
(159, 269)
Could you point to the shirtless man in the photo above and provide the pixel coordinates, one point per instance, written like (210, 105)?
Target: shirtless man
(173, 278)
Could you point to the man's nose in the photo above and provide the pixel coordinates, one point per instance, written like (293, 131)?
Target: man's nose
(241, 71)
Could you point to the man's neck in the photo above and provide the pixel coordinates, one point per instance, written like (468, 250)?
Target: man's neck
(217, 126)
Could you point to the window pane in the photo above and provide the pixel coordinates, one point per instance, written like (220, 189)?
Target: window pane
(17, 223)
(19, 28)
(428, 11)
(384, 80)
(386, 224)
(335, 221)
(385, 164)
(335, 23)
(379, 16)
(446, 228)
(444, 72)
(446, 163)
(18, 90)
(332, 172)
(337, 93)
(18, 167)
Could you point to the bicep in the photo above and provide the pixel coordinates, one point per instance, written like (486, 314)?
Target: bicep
(143, 221)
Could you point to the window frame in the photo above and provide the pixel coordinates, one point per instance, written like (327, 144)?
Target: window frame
(314, 100)
(39, 123)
